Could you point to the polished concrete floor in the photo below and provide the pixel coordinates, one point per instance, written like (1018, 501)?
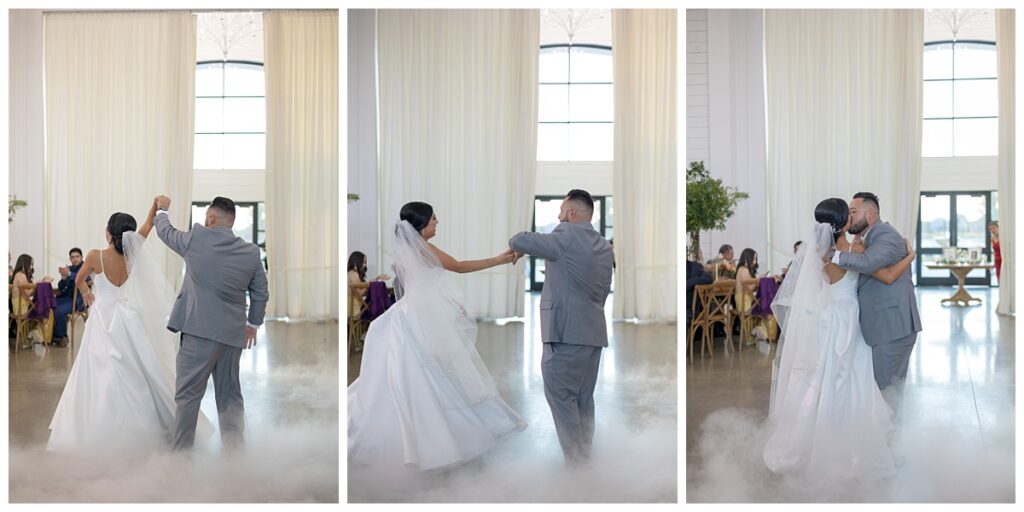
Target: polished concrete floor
(635, 442)
(955, 444)
(290, 386)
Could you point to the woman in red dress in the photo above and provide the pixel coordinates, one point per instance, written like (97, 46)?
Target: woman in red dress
(993, 228)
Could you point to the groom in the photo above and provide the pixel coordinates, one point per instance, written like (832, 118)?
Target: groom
(888, 313)
(210, 315)
(578, 276)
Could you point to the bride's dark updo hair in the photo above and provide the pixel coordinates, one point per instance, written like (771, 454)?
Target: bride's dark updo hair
(116, 226)
(417, 213)
(834, 212)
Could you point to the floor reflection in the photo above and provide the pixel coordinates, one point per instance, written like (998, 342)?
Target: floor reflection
(960, 390)
(290, 386)
(635, 440)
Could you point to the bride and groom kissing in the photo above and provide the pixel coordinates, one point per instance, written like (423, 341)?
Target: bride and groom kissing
(424, 400)
(147, 354)
(849, 322)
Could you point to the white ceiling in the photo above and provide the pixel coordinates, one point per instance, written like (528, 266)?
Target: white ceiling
(591, 26)
(971, 24)
(229, 36)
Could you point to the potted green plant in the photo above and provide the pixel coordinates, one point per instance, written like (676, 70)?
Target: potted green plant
(353, 197)
(709, 204)
(13, 203)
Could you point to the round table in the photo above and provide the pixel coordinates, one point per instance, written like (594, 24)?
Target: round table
(961, 297)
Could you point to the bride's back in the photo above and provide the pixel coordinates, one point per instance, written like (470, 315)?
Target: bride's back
(111, 264)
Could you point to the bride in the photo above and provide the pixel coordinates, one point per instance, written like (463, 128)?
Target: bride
(828, 419)
(120, 392)
(424, 398)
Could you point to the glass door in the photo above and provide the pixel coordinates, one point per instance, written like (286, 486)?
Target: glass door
(953, 220)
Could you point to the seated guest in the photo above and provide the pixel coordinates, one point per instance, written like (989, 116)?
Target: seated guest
(726, 262)
(695, 275)
(357, 274)
(65, 296)
(21, 299)
(746, 280)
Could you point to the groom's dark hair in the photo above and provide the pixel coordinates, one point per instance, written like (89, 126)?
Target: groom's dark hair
(224, 205)
(581, 196)
(868, 197)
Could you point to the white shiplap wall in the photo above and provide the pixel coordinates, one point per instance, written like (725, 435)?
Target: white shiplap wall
(697, 114)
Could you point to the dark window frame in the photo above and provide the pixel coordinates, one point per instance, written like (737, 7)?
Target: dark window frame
(951, 280)
(537, 286)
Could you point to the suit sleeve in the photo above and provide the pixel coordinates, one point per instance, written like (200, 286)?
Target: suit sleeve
(550, 246)
(258, 295)
(888, 249)
(178, 241)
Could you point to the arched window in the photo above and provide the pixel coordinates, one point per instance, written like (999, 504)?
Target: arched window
(960, 103)
(575, 103)
(230, 119)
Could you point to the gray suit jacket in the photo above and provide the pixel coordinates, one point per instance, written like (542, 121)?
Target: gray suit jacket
(577, 280)
(887, 312)
(219, 269)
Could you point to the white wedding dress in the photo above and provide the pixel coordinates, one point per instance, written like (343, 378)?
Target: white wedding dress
(119, 396)
(829, 422)
(424, 399)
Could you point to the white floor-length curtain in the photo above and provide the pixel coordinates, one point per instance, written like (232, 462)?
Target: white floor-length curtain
(119, 125)
(1005, 54)
(644, 58)
(458, 130)
(301, 69)
(844, 116)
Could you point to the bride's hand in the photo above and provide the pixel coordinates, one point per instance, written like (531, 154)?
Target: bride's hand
(88, 298)
(383, 277)
(507, 257)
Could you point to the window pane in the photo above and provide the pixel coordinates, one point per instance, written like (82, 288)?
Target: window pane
(590, 65)
(974, 61)
(245, 151)
(553, 103)
(243, 223)
(970, 222)
(596, 219)
(209, 115)
(937, 139)
(938, 61)
(554, 65)
(975, 137)
(209, 152)
(210, 79)
(245, 115)
(546, 213)
(935, 222)
(198, 214)
(591, 103)
(553, 142)
(927, 272)
(243, 80)
(938, 99)
(591, 142)
(975, 98)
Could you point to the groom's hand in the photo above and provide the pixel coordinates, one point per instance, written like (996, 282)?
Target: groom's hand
(250, 337)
